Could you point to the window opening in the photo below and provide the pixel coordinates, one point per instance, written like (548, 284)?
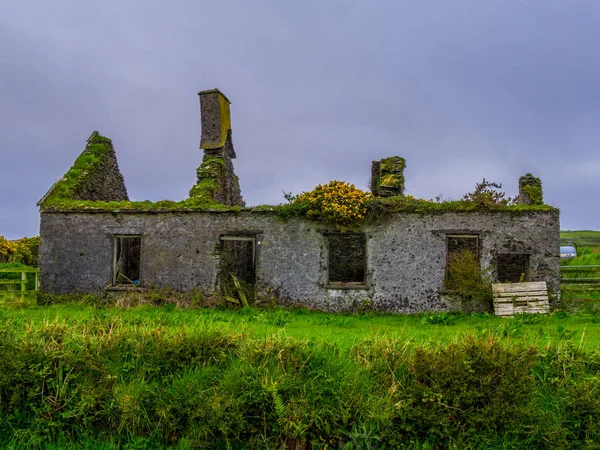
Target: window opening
(513, 268)
(127, 257)
(237, 268)
(347, 257)
(462, 260)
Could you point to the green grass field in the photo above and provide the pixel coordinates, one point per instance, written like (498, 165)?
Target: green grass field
(582, 329)
(84, 376)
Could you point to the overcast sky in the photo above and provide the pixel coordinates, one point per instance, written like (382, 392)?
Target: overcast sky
(319, 88)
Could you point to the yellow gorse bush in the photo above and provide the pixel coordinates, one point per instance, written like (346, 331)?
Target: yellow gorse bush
(23, 251)
(337, 202)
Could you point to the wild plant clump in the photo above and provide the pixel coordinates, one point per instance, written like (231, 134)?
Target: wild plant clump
(487, 194)
(336, 202)
(465, 280)
(23, 251)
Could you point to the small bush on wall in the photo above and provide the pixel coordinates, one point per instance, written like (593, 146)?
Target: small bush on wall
(337, 202)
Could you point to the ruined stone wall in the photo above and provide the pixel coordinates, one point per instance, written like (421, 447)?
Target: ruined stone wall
(94, 176)
(405, 267)
(105, 182)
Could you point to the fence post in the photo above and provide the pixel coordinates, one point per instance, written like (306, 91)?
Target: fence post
(23, 285)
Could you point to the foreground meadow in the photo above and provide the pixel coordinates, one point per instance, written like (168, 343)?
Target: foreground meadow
(84, 376)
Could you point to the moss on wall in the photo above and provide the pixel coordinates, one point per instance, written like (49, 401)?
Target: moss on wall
(145, 205)
(530, 190)
(210, 178)
(390, 180)
(94, 176)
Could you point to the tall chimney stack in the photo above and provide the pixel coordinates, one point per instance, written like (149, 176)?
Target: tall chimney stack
(214, 119)
(216, 180)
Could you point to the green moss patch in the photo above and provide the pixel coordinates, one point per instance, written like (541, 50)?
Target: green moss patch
(391, 173)
(73, 185)
(532, 187)
(145, 205)
(210, 176)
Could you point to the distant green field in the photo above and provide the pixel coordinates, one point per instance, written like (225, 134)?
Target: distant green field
(586, 240)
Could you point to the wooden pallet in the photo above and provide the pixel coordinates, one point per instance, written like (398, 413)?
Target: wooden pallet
(514, 298)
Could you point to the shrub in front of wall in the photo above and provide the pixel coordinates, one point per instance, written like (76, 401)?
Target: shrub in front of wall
(465, 280)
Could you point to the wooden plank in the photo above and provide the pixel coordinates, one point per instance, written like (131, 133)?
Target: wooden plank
(517, 304)
(523, 294)
(510, 287)
(522, 299)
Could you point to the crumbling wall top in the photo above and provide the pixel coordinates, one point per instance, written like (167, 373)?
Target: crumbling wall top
(95, 176)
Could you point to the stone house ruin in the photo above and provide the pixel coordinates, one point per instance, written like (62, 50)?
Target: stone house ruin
(94, 239)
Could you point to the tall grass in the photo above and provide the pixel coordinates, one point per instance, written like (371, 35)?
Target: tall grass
(129, 381)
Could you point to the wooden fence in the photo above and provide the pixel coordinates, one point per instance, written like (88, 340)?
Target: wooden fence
(15, 290)
(580, 278)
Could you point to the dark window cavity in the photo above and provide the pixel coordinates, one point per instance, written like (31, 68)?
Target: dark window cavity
(513, 268)
(347, 258)
(237, 267)
(127, 256)
(460, 243)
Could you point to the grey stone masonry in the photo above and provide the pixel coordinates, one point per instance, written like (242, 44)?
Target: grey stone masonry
(405, 257)
(105, 182)
(530, 190)
(217, 182)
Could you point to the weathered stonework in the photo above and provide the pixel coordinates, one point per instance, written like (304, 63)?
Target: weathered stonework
(405, 266)
(530, 190)
(394, 261)
(95, 175)
(217, 181)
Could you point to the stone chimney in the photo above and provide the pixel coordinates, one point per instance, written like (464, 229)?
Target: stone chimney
(530, 190)
(387, 176)
(217, 182)
(214, 119)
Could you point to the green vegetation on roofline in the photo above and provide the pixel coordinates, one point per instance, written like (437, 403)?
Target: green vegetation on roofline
(146, 205)
(97, 151)
(63, 195)
(379, 208)
(354, 208)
